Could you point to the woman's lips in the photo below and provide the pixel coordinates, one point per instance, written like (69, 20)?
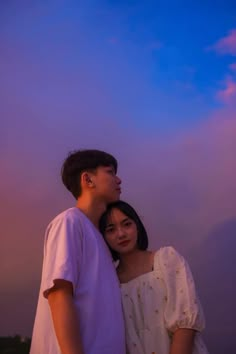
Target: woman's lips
(124, 243)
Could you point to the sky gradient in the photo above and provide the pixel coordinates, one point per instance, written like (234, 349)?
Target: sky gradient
(153, 84)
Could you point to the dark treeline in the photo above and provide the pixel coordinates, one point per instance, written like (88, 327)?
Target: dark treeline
(14, 345)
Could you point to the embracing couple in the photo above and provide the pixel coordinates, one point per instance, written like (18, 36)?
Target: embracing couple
(102, 291)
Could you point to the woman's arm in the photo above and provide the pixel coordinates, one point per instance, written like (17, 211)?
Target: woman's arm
(183, 313)
(65, 319)
(182, 341)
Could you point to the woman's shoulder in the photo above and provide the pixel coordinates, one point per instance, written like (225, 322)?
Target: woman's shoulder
(167, 256)
(166, 251)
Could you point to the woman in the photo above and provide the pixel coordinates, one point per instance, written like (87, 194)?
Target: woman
(162, 312)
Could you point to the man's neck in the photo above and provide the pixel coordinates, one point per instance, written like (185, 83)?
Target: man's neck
(92, 209)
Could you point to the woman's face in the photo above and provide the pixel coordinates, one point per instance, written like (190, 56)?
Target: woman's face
(121, 232)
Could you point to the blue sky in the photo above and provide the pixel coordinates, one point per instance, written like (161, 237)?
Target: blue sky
(152, 60)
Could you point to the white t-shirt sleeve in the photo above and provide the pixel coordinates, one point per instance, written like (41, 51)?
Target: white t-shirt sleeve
(62, 253)
(183, 309)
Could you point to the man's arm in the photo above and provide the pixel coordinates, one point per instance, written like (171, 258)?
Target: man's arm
(182, 341)
(65, 319)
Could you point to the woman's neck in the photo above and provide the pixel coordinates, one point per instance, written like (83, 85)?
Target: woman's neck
(129, 261)
(134, 264)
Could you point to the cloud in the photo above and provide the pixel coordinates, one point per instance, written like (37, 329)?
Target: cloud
(228, 93)
(226, 45)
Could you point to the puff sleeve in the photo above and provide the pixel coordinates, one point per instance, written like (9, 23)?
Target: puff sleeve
(182, 306)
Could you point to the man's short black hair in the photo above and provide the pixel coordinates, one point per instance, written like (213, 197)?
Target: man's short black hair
(80, 161)
(128, 210)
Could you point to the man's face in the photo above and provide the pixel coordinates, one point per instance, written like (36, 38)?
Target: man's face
(107, 184)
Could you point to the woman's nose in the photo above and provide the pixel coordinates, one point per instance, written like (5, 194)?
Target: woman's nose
(120, 232)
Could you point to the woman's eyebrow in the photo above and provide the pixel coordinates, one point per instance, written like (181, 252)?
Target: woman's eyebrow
(124, 220)
(110, 224)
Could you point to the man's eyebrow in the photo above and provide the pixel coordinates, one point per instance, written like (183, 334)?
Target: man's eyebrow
(111, 167)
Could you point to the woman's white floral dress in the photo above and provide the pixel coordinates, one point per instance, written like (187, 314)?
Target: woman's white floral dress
(157, 303)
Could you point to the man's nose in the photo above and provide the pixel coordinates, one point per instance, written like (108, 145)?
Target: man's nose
(118, 180)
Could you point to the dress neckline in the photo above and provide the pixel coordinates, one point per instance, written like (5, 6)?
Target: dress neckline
(144, 274)
(137, 278)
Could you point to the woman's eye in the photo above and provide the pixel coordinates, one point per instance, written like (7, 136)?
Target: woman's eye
(128, 223)
(109, 230)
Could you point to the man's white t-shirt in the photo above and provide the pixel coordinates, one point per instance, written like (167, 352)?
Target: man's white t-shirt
(74, 250)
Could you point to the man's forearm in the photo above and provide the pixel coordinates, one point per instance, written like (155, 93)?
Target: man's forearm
(66, 322)
(182, 341)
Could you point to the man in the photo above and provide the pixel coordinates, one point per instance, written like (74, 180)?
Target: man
(79, 309)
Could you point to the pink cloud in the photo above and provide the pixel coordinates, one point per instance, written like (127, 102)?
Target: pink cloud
(182, 187)
(228, 93)
(227, 44)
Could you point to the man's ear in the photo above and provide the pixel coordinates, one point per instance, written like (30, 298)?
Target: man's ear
(86, 179)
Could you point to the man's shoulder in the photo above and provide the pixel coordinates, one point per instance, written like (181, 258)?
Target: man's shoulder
(68, 213)
(71, 215)
(68, 222)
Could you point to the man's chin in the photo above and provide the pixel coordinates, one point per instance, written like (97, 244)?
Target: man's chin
(115, 199)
